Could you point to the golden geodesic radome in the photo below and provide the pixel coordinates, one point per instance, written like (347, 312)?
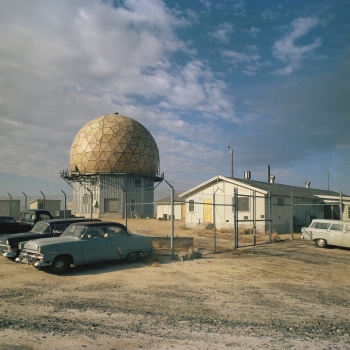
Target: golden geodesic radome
(114, 144)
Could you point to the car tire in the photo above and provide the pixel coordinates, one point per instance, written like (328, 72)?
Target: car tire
(60, 264)
(133, 257)
(321, 243)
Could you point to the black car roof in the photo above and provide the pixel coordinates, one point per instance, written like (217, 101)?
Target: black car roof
(100, 223)
(70, 220)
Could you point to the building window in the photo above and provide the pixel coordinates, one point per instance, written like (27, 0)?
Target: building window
(191, 205)
(137, 182)
(41, 206)
(348, 212)
(243, 204)
(280, 201)
(85, 199)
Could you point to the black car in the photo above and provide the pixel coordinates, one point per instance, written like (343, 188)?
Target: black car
(42, 229)
(8, 224)
(7, 220)
(28, 219)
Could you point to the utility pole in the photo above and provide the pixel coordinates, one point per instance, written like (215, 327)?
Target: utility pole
(230, 151)
(328, 172)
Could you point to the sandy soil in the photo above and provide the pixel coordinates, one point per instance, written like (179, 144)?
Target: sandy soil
(285, 295)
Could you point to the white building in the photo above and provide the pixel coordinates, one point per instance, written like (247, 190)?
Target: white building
(164, 208)
(51, 205)
(212, 202)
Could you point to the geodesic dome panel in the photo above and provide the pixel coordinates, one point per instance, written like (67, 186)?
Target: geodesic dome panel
(114, 144)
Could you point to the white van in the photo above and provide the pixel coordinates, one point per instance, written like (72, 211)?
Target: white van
(328, 232)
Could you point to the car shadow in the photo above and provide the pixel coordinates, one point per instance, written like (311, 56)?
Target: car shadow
(109, 266)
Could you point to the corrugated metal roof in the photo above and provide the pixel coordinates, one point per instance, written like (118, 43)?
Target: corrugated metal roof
(275, 188)
(285, 190)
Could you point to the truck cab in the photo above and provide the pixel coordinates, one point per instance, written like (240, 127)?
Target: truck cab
(32, 216)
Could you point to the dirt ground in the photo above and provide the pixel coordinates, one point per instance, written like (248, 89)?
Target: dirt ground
(283, 295)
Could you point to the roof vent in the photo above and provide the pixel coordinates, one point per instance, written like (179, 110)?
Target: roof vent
(272, 179)
(307, 184)
(247, 175)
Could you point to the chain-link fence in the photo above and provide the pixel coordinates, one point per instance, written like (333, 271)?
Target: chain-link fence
(217, 222)
(57, 204)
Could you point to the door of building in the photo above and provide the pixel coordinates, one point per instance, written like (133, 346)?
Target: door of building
(207, 210)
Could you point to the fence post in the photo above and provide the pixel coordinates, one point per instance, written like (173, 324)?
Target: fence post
(341, 205)
(10, 204)
(25, 201)
(172, 220)
(270, 215)
(125, 206)
(65, 204)
(214, 218)
(254, 217)
(43, 200)
(214, 222)
(235, 218)
(291, 215)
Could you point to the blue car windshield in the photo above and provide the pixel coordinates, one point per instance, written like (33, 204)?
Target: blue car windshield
(74, 231)
(41, 227)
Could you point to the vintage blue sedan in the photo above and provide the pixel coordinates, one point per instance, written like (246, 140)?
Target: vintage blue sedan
(85, 243)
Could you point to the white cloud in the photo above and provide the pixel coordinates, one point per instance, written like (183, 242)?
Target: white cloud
(289, 52)
(268, 14)
(253, 32)
(223, 32)
(250, 60)
(65, 63)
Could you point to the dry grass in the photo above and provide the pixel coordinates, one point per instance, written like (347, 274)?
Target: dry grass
(156, 264)
(275, 237)
(152, 257)
(226, 230)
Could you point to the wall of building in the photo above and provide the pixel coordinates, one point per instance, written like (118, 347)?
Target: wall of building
(221, 194)
(51, 205)
(109, 193)
(165, 209)
(10, 208)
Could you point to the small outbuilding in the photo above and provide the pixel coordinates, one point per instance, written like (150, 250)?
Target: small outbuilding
(51, 205)
(164, 208)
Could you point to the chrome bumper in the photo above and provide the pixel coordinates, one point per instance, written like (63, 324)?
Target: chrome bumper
(9, 254)
(42, 264)
(26, 258)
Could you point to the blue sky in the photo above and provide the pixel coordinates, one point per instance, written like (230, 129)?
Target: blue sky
(270, 79)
